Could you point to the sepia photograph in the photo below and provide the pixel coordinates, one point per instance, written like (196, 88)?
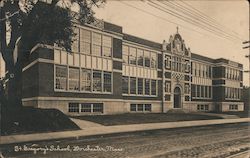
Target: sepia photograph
(124, 79)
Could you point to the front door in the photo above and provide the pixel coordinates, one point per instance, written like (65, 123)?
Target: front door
(177, 97)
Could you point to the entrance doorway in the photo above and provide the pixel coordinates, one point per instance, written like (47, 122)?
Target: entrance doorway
(177, 97)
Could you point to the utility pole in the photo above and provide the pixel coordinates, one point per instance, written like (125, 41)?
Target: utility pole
(247, 56)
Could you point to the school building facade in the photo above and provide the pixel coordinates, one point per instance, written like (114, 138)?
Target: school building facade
(109, 71)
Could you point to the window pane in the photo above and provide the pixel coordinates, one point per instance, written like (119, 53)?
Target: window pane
(107, 82)
(132, 55)
(147, 86)
(153, 60)
(140, 57)
(73, 79)
(140, 86)
(73, 107)
(106, 51)
(140, 107)
(125, 84)
(97, 81)
(86, 80)
(147, 58)
(75, 44)
(61, 77)
(132, 85)
(98, 107)
(132, 107)
(96, 50)
(198, 91)
(86, 107)
(153, 87)
(97, 39)
(147, 107)
(125, 53)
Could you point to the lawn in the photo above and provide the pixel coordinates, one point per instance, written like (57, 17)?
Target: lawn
(27, 120)
(136, 118)
(242, 114)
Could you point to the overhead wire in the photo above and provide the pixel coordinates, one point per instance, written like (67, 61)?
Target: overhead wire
(199, 18)
(188, 20)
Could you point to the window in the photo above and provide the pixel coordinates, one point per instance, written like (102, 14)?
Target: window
(86, 107)
(147, 58)
(132, 85)
(85, 41)
(97, 81)
(132, 107)
(61, 77)
(147, 107)
(125, 84)
(202, 91)
(147, 86)
(75, 43)
(98, 107)
(86, 80)
(97, 41)
(107, 82)
(198, 90)
(73, 107)
(92, 107)
(73, 79)
(153, 87)
(140, 86)
(140, 107)
(140, 58)
(233, 107)
(106, 46)
(125, 54)
(202, 107)
(153, 60)
(132, 55)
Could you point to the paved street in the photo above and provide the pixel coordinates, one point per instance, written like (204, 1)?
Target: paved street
(216, 141)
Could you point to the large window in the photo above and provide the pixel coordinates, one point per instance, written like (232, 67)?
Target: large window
(147, 86)
(140, 86)
(73, 79)
(86, 80)
(85, 41)
(132, 55)
(147, 58)
(106, 46)
(97, 43)
(153, 60)
(107, 81)
(125, 84)
(61, 77)
(75, 44)
(153, 87)
(233, 107)
(132, 85)
(125, 54)
(140, 58)
(97, 81)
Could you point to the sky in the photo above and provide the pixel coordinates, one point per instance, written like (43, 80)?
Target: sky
(230, 16)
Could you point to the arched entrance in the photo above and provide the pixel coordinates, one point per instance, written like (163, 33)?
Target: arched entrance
(177, 97)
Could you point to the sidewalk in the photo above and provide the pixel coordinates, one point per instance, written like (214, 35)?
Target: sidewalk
(101, 130)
